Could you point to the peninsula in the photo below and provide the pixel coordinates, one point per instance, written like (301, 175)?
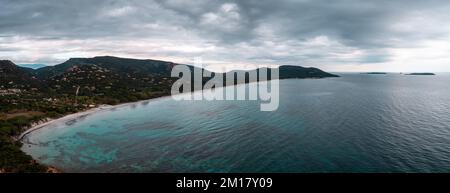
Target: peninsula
(30, 97)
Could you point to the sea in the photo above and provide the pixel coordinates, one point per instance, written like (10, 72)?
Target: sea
(357, 123)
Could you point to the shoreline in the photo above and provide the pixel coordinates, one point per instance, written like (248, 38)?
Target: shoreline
(49, 121)
(103, 107)
(43, 123)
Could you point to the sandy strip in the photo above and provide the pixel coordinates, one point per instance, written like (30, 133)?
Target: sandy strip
(82, 114)
(91, 111)
(64, 119)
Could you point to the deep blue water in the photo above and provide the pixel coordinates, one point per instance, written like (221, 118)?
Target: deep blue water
(356, 123)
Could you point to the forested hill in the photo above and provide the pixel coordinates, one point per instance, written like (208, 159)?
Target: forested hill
(111, 79)
(105, 79)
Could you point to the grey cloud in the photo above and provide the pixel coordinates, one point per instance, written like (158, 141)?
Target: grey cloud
(355, 22)
(251, 30)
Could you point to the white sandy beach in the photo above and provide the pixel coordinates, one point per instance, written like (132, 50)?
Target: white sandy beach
(64, 119)
(78, 115)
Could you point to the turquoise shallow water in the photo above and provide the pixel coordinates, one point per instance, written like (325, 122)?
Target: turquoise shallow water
(356, 123)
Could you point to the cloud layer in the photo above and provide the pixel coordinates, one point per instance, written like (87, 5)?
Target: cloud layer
(345, 35)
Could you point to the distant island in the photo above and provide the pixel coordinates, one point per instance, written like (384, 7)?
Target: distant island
(421, 74)
(32, 96)
(376, 73)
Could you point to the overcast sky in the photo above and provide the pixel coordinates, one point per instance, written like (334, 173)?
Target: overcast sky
(335, 35)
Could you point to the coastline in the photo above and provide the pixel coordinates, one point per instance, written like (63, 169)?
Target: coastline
(103, 107)
(49, 121)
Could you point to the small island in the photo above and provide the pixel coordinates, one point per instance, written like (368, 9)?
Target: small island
(421, 74)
